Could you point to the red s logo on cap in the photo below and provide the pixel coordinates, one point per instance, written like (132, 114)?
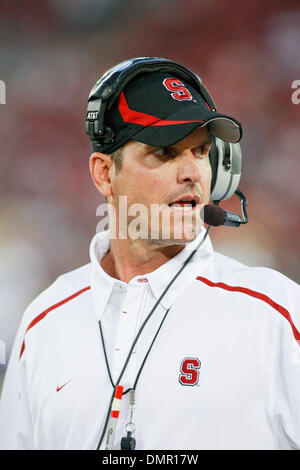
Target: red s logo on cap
(175, 85)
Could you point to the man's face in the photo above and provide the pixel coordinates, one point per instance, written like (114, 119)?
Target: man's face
(156, 178)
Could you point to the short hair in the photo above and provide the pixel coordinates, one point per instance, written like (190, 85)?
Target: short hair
(117, 157)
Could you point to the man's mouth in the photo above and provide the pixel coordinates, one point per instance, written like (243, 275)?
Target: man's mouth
(189, 201)
(183, 204)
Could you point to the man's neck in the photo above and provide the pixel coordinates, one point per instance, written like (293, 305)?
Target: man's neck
(127, 259)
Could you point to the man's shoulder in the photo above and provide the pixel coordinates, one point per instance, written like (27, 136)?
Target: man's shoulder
(66, 286)
(260, 285)
(257, 276)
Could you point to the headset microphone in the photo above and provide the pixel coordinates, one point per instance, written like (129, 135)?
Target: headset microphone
(216, 216)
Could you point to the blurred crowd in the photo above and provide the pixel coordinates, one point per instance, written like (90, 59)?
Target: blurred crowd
(51, 54)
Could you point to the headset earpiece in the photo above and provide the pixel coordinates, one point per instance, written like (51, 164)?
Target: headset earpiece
(226, 163)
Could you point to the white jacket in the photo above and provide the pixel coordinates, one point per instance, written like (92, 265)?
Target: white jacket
(223, 372)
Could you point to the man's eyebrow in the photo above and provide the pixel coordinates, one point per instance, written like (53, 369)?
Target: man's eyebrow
(206, 142)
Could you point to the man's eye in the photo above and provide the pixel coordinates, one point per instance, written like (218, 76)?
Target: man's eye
(162, 152)
(201, 152)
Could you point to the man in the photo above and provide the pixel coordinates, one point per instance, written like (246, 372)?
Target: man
(159, 342)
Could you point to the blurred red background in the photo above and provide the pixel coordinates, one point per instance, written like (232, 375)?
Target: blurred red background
(51, 54)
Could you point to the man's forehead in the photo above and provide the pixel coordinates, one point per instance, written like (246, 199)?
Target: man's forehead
(199, 136)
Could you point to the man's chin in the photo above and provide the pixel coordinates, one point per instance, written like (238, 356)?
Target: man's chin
(188, 236)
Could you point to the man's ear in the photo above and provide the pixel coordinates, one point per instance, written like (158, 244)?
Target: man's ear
(100, 166)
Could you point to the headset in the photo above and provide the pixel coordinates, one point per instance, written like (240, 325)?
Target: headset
(225, 158)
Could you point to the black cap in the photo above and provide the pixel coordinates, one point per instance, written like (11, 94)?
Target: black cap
(161, 109)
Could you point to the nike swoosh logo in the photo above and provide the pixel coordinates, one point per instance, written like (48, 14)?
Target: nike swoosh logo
(59, 388)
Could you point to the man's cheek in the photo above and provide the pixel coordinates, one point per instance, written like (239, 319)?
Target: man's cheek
(136, 189)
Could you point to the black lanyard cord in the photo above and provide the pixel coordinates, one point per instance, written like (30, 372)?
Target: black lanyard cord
(144, 360)
(139, 334)
(105, 355)
(137, 377)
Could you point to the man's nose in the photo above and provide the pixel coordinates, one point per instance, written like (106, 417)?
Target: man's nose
(188, 171)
